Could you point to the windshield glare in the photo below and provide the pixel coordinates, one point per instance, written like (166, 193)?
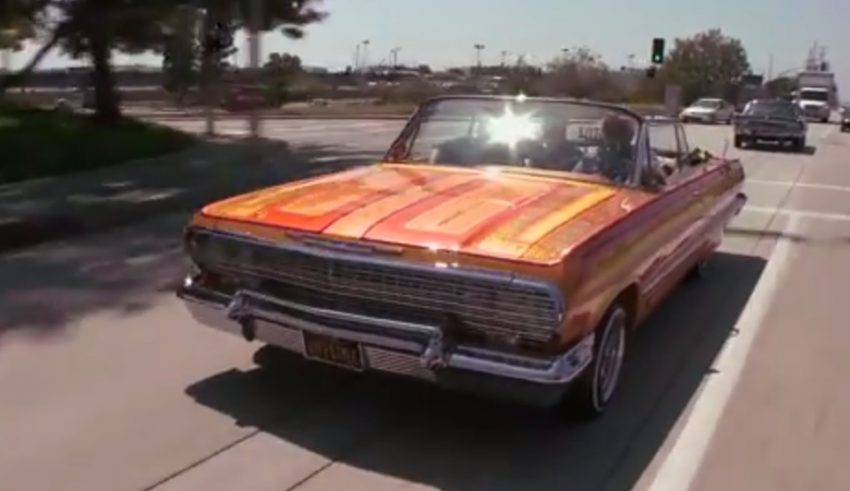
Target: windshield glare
(776, 109)
(563, 136)
(814, 95)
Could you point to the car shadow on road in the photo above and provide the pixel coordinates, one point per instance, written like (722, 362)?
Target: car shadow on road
(121, 265)
(455, 442)
(46, 209)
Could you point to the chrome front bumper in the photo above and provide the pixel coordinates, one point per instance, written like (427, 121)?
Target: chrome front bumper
(402, 348)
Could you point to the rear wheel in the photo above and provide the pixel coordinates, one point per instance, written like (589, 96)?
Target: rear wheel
(595, 388)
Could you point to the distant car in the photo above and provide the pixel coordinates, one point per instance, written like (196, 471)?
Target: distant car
(773, 120)
(708, 111)
(845, 118)
(245, 98)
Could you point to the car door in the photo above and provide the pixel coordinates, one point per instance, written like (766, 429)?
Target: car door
(680, 209)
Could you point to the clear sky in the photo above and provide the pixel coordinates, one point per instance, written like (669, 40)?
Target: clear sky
(442, 32)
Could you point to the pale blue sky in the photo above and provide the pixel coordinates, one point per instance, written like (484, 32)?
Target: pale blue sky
(442, 32)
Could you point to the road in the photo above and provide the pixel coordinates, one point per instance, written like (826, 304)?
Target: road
(107, 384)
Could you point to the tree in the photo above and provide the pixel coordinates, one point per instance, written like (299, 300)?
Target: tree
(181, 51)
(95, 28)
(20, 20)
(706, 64)
(579, 73)
(282, 65)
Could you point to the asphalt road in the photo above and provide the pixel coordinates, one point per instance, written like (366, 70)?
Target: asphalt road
(106, 383)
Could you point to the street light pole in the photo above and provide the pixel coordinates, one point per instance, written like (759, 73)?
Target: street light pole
(478, 48)
(365, 55)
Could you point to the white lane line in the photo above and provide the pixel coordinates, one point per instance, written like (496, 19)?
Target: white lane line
(825, 187)
(682, 463)
(798, 213)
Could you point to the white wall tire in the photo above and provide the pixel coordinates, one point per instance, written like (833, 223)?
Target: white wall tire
(596, 388)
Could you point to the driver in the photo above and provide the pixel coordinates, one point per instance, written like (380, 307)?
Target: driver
(616, 153)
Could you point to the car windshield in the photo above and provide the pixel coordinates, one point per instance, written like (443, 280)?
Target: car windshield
(575, 137)
(814, 95)
(707, 103)
(778, 109)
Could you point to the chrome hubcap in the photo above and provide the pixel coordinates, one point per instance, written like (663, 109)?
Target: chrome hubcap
(611, 356)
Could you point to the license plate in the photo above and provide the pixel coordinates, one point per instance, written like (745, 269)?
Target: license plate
(340, 352)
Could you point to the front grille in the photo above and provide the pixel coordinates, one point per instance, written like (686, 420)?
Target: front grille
(480, 304)
(770, 126)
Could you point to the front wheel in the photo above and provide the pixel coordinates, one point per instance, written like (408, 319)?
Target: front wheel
(595, 388)
(699, 270)
(799, 144)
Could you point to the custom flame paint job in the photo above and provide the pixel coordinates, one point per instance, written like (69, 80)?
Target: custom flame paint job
(596, 242)
(593, 241)
(491, 213)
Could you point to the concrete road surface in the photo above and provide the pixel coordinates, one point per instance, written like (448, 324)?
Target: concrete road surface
(739, 382)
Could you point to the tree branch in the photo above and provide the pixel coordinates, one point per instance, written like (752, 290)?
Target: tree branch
(17, 78)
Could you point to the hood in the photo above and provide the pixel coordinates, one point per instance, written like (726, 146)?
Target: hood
(479, 211)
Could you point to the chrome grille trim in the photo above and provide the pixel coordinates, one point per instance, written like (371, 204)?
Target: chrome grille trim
(397, 362)
(490, 302)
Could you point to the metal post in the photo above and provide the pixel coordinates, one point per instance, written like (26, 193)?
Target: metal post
(7, 60)
(206, 77)
(254, 57)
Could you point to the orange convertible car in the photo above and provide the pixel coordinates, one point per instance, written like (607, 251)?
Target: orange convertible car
(504, 245)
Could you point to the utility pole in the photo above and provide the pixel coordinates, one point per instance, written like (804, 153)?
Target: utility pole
(254, 60)
(478, 48)
(365, 54)
(357, 57)
(394, 57)
(7, 61)
(770, 69)
(208, 90)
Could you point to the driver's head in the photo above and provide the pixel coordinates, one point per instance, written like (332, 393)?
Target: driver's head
(617, 129)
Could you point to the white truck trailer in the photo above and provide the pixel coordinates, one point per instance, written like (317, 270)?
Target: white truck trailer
(817, 94)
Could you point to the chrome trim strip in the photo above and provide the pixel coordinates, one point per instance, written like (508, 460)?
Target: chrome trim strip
(432, 354)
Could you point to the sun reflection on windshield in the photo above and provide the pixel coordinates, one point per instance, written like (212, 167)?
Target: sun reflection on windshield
(511, 128)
